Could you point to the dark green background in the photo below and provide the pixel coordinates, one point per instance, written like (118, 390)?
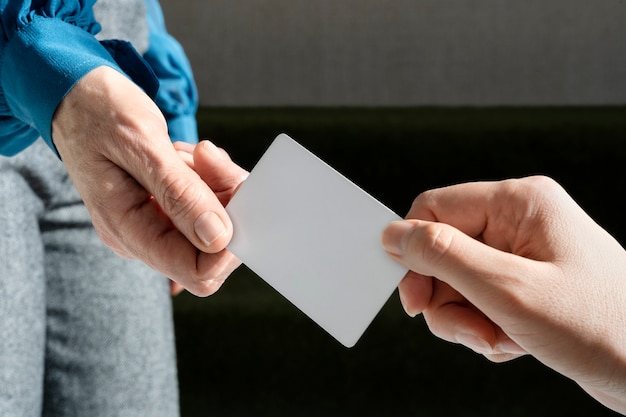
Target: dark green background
(246, 351)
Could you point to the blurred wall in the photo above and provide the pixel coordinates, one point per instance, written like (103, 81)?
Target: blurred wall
(404, 52)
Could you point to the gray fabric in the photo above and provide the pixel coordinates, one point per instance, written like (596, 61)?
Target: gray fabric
(82, 331)
(123, 19)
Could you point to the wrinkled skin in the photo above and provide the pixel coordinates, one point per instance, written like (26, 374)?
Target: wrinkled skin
(145, 201)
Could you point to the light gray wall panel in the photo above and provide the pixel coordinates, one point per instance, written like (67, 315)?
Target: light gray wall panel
(404, 52)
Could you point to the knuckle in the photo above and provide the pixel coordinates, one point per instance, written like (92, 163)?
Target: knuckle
(109, 236)
(426, 205)
(178, 197)
(212, 271)
(437, 241)
(204, 287)
(423, 199)
(538, 185)
(533, 197)
(541, 182)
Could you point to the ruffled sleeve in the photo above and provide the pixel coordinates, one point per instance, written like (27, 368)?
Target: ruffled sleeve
(45, 48)
(177, 96)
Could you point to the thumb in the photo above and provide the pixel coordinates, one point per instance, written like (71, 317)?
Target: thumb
(216, 168)
(188, 202)
(487, 277)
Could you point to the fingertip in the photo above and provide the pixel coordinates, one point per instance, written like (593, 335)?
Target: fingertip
(396, 236)
(415, 292)
(218, 171)
(212, 271)
(185, 151)
(474, 342)
(496, 351)
(176, 288)
(406, 306)
(207, 149)
(184, 147)
(212, 231)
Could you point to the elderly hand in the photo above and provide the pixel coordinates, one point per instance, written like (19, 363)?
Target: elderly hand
(145, 201)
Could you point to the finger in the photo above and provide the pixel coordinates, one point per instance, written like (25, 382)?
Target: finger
(218, 266)
(185, 198)
(151, 237)
(489, 211)
(451, 317)
(175, 288)
(185, 152)
(464, 206)
(502, 214)
(184, 147)
(216, 168)
(467, 265)
(415, 291)
(505, 349)
(460, 322)
(155, 164)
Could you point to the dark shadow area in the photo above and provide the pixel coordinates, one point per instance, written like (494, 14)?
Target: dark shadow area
(247, 351)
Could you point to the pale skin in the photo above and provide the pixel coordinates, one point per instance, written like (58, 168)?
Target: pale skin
(145, 201)
(517, 267)
(506, 268)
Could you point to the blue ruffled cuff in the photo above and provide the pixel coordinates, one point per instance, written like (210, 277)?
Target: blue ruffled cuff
(183, 128)
(40, 65)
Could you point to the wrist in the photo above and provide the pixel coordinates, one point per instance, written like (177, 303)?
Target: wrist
(61, 51)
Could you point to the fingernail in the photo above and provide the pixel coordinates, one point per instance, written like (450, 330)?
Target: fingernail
(185, 147)
(509, 346)
(396, 236)
(209, 227)
(475, 343)
(213, 150)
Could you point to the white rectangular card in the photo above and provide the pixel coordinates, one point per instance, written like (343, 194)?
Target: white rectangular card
(315, 237)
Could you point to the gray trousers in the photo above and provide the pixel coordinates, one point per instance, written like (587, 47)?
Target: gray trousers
(82, 331)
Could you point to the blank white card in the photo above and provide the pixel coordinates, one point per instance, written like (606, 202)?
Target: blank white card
(315, 237)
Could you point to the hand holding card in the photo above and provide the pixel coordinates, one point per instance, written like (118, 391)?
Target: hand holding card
(316, 238)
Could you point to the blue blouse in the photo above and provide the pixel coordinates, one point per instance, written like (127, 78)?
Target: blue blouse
(46, 46)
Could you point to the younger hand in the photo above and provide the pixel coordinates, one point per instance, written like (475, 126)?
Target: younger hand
(514, 267)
